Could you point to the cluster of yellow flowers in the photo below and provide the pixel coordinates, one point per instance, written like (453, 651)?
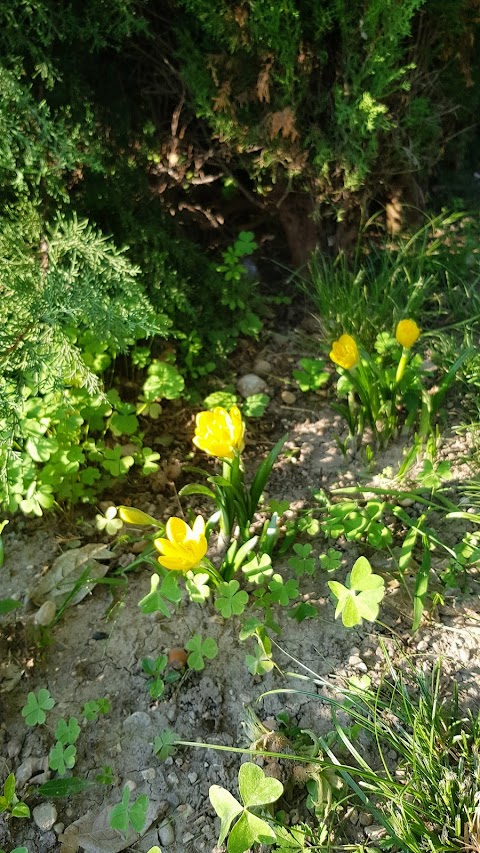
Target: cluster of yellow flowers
(219, 433)
(345, 353)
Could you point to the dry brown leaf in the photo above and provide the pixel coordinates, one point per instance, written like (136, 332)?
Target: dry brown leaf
(240, 14)
(263, 82)
(222, 103)
(283, 122)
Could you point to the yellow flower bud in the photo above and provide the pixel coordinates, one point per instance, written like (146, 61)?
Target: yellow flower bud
(407, 333)
(344, 352)
(184, 547)
(135, 516)
(220, 433)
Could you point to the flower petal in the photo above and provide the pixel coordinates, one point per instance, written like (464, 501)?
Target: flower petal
(173, 564)
(177, 530)
(199, 526)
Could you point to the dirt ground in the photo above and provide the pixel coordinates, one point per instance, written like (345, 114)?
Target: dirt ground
(95, 650)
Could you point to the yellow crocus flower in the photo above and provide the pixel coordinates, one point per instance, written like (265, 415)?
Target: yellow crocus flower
(220, 433)
(185, 547)
(407, 333)
(344, 352)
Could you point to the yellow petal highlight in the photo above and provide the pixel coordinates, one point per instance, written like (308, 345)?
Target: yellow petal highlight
(407, 333)
(344, 352)
(220, 433)
(184, 547)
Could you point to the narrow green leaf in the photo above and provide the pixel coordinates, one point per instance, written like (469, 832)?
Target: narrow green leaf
(64, 787)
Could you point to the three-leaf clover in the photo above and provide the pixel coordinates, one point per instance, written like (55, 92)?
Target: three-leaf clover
(109, 522)
(258, 568)
(200, 649)
(361, 598)
(331, 560)
(198, 586)
(124, 814)
(161, 593)
(67, 733)
(312, 374)
(282, 592)
(303, 563)
(62, 758)
(302, 611)
(154, 668)
(163, 744)
(256, 790)
(35, 708)
(94, 707)
(231, 599)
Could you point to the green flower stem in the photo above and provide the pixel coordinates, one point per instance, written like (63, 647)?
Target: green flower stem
(402, 365)
(206, 566)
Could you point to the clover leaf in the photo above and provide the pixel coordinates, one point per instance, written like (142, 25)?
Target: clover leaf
(331, 560)
(67, 733)
(36, 706)
(163, 744)
(160, 594)
(282, 592)
(124, 814)
(94, 707)
(200, 649)
(256, 789)
(312, 374)
(361, 598)
(109, 522)
(258, 569)
(197, 586)
(62, 757)
(304, 610)
(303, 563)
(231, 599)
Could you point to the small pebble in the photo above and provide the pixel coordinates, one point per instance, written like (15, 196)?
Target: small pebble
(137, 723)
(365, 819)
(288, 398)
(148, 774)
(262, 367)
(187, 837)
(251, 384)
(166, 834)
(177, 658)
(45, 614)
(58, 828)
(192, 778)
(45, 815)
(374, 832)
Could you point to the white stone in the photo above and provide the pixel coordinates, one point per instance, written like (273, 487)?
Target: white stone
(45, 815)
(251, 384)
(46, 613)
(166, 834)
